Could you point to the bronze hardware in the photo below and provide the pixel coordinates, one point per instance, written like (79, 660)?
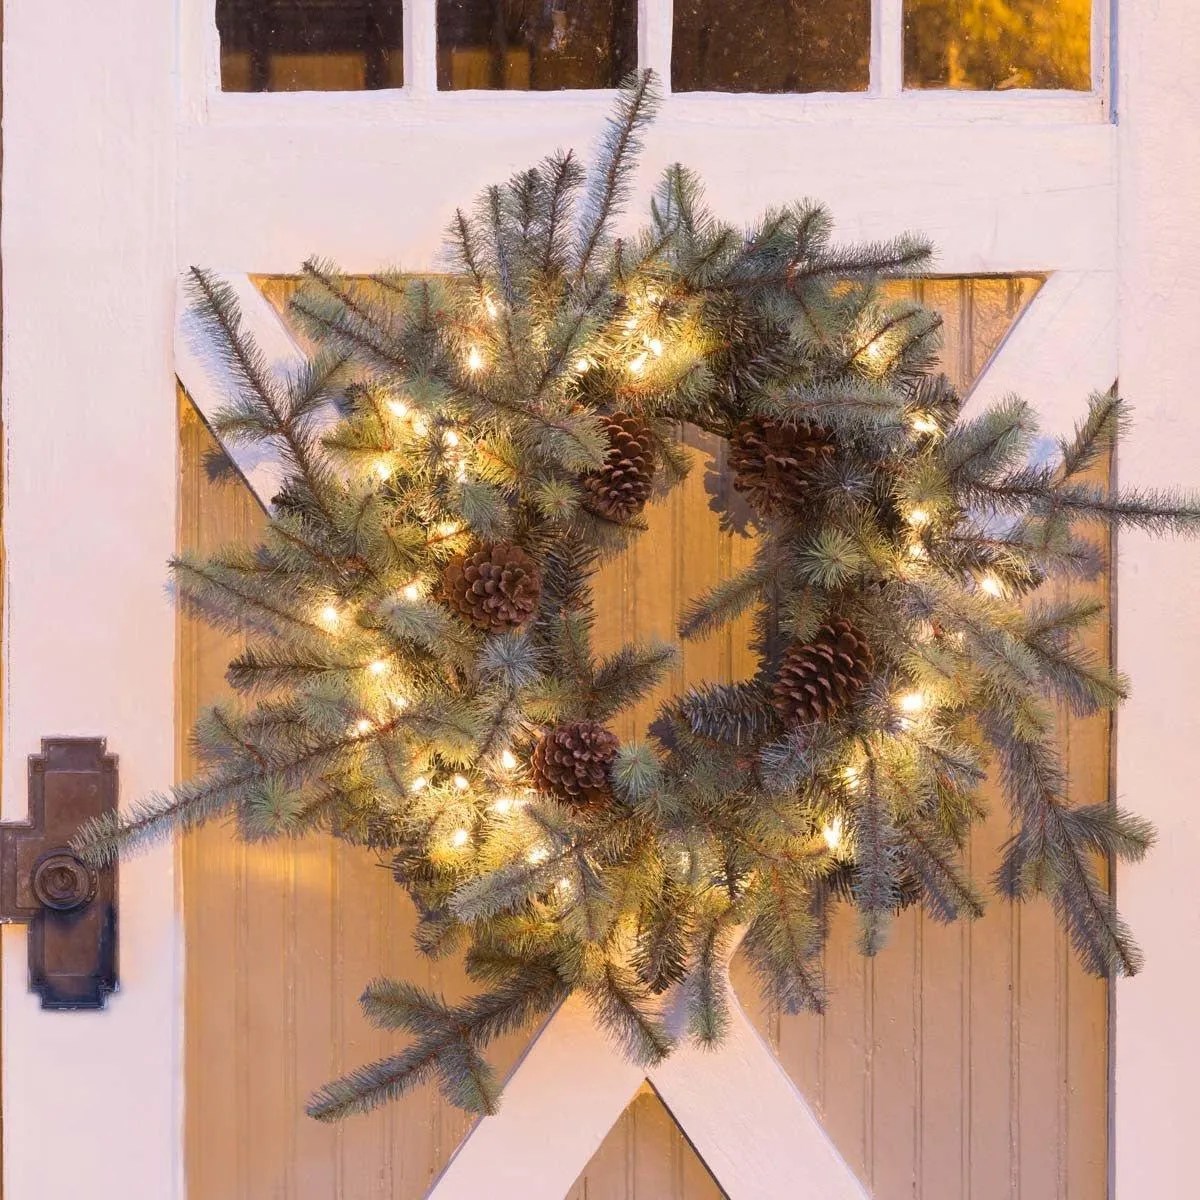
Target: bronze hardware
(71, 909)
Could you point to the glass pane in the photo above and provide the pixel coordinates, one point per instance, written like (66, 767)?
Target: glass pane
(771, 46)
(535, 45)
(997, 44)
(310, 45)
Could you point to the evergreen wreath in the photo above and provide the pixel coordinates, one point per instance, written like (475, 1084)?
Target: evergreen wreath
(418, 674)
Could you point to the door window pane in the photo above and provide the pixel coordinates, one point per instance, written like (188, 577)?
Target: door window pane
(998, 44)
(771, 46)
(310, 45)
(535, 44)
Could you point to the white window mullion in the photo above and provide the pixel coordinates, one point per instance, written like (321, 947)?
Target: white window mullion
(655, 24)
(420, 46)
(1104, 52)
(887, 47)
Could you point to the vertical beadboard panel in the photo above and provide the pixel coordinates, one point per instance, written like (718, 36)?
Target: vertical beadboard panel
(968, 1061)
(280, 939)
(645, 1157)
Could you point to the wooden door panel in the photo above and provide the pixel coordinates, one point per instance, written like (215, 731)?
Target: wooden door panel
(645, 1156)
(963, 1060)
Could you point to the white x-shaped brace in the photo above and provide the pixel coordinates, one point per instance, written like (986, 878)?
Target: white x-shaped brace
(737, 1106)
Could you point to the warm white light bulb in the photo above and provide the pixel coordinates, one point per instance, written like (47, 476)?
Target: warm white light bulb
(656, 347)
(460, 837)
(923, 424)
(420, 426)
(851, 777)
(912, 702)
(832, 833)
(918, 517)
(419, 784)
(582, 365)
(538, 854)
(383, 469)
(490, 307)
(398, 408)
(364, 726)
(398, 701)
(631, 322)
(474, 359)
(450, 438)
(502, 804)
(638, 365)
(330, 615)
(448, 528)
(508, 760)
(991, 585)
(916, 550)
(378, 667)
(461, 782)
(412, 593)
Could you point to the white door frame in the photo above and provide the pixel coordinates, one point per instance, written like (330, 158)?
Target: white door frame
(92, 1101)
(122, 166)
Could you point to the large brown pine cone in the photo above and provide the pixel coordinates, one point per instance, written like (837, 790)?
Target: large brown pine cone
(496, 587)
(775, 465)
(572, 762)
(620, 489)
(820, 678)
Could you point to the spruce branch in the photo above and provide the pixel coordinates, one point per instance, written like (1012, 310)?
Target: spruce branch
(217, 304)
(448, 1043)
(612, 178)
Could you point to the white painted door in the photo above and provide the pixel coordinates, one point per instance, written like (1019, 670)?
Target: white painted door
(124, 162)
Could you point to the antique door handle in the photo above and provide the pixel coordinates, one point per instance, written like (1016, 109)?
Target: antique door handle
(70, 907)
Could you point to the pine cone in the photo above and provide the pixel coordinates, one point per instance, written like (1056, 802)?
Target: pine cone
(620, 489)
(818, 679)
(774, 465)
(571, 763)
(497, 587)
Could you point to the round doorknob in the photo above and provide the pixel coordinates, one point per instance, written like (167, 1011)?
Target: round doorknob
(63, 882)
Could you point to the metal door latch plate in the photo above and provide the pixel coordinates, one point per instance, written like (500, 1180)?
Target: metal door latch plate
(71, 909)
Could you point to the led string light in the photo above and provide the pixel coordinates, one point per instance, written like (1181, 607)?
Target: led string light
(831, 831)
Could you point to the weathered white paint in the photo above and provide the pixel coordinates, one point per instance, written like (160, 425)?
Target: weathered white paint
(1157, 1046)
(1000, 181)
(737, 1106)
(209, 383)
(92, 1101)
(1063, 348)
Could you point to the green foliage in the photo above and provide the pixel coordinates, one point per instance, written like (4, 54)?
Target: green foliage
(466, 412)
